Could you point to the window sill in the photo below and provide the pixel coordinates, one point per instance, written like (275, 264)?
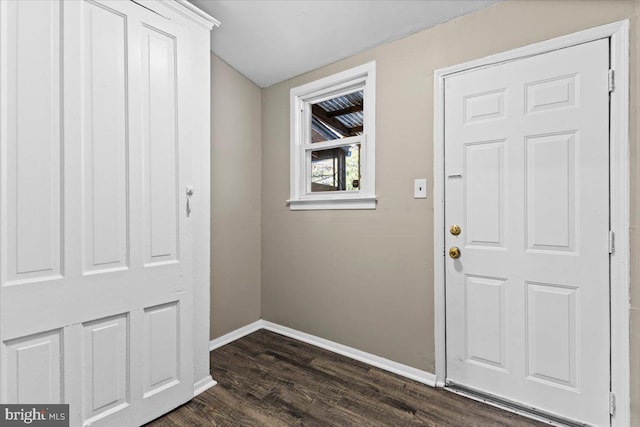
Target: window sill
(333, 204)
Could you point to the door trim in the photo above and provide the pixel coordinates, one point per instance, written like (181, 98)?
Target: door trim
(620, 274)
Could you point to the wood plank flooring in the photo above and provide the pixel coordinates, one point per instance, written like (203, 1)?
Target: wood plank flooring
(266, 379)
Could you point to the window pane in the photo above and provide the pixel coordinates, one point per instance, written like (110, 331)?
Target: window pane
(337, 117)
(336, 169)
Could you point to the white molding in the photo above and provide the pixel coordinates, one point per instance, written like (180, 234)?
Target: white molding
(203, 385)
(438, 230)
(193, 13)
(200, 109)
(236, 334)
(620, 224)
(618, 32)
(341, 203)
(406, 371)
(334, 79)
(585, 36)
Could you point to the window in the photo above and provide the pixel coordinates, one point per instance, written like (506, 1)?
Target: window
(333, 141)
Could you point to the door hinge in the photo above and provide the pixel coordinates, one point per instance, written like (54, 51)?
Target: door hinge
(612, 85)
(612, 403)
(612, 242)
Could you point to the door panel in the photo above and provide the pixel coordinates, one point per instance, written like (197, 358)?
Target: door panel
(106, 351)
(527, 175)
(162, 347)
(484, 107)
(32, 200)
(485, 321)
(552, 322)
(105, 142)
(484, 193)
(159, 108)
(33, 367)
(550, 94)
(551, 192)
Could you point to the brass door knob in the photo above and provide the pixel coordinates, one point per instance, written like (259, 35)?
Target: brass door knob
(454, 252)
(455, 229)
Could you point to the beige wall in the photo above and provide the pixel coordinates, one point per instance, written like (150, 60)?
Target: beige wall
(365, 278)
(235, 199)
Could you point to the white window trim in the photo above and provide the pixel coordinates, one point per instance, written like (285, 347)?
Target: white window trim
(344, 82)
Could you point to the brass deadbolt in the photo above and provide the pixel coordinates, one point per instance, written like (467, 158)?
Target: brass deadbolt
(455, 229)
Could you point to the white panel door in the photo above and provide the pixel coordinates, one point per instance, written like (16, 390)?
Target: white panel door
(527, 181)
(96, 265)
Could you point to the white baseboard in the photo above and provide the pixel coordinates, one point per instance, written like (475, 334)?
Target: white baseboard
(406, 371)
(203, 385)
(234, 335)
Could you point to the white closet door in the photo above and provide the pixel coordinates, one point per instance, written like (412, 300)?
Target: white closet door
(96, 269)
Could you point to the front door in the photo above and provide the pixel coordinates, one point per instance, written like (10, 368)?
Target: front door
(527, 182)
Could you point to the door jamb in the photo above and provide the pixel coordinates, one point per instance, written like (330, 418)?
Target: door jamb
(619, 177)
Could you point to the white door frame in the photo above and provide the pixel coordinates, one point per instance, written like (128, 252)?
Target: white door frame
(618, 32)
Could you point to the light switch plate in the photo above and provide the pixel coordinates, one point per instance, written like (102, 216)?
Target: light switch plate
(420, 189)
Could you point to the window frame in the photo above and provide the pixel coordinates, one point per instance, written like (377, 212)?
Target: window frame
(363, 78)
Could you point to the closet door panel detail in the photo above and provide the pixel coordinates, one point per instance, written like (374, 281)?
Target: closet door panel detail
(104, 139)
(31, 144)
(159, 130)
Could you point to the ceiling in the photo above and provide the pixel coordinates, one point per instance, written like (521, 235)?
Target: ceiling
(272, 40)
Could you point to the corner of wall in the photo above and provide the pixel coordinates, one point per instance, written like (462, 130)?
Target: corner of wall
(236, 186)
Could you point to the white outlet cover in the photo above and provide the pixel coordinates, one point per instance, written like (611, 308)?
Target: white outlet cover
(420, 188)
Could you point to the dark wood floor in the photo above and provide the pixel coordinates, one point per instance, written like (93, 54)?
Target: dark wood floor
(266, 379)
